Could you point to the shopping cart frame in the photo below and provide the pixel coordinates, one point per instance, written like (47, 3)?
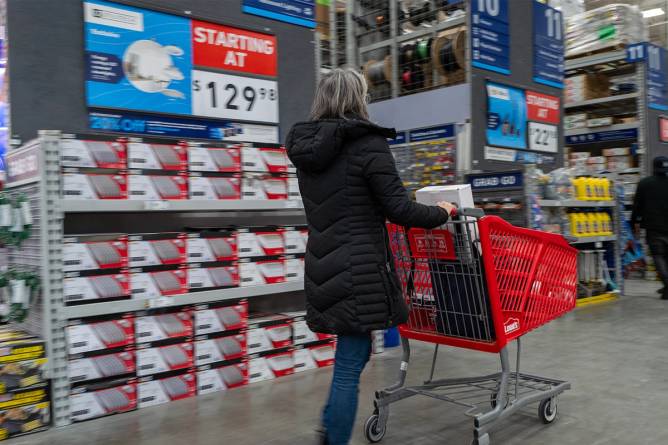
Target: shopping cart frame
(488, 399)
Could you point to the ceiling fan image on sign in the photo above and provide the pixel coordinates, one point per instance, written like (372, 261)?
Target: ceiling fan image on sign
(149, 67)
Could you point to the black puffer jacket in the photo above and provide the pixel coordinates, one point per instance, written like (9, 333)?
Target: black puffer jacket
(350, 186)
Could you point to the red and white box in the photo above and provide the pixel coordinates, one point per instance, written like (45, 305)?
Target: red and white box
(314, 356)
(214, 318)
(294, 269)
(215, 379)
(206, 276)
(216, 348)
(267, 332)
(257, 273)
(156, 249)
(260, 242)
(214, 158)
(93, 402)
(209, 247)
(102, 366)
(159, 359)
(95, 252)
(154, 391)
(93, 153)
(271, 366)
(301, 333)
(295, 239)
(88, 336)
(153, 284)
(264, 187)
(294, 193)
(159, 327)
(146, 156)
(264, 159)
(211, 186)
(84, 186)
(147, 186)
(78, 288)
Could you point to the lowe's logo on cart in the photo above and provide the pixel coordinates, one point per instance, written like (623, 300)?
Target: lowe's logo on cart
(511, 325)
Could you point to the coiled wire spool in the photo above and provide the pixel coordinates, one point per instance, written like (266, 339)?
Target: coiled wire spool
(448, 52)
(407, 54)
(413, 78)
(378, 72)
(423, 50)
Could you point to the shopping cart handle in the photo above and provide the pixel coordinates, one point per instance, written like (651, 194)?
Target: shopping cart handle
(570, 239)
(472, 212)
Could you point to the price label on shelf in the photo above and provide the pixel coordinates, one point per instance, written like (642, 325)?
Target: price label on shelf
(225, 96)
(158, 302)
(543, 137)
(156, 205)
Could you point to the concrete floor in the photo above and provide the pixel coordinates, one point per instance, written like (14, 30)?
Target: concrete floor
(614, 354)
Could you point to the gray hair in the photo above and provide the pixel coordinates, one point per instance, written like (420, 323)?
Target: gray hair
(342, 94)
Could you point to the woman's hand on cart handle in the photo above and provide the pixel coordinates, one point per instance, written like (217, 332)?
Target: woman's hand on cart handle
(470, 212)
(448, 207)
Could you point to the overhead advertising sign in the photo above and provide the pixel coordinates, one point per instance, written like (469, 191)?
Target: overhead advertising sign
(297, 12)
(543, 108)
(506, 116)
(657, 77)
(490, 35)
(432, 133)
(487, 181)
(548, 46)
(147, 61)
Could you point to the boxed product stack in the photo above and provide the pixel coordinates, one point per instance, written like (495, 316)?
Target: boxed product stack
(312, 350)
(261, 253)
(604, 27)
(221, 346)
(270, 347)
(157, 264)
(102, 366)
(619, 159)
(212, 257)
(157, 171)
(24, 391)
(584, 87)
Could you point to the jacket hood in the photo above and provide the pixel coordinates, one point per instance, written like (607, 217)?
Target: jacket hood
(312, 146)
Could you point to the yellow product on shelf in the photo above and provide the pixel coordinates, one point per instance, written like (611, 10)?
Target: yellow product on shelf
(593, 226)
(597, 184)
(579, 186)
(574, 223)
(580, 224)
(607, 186)
(607, 224)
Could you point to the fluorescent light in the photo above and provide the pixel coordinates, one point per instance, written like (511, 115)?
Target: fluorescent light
(655, 12)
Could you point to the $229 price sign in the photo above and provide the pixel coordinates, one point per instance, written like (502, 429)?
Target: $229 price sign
(225, 96)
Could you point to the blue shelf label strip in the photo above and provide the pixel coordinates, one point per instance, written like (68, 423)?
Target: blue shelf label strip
(432, 133)
(602, 136)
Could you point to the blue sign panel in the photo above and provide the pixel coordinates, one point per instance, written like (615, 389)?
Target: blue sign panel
(432, 133)
(496, 180)
(137, 59)
(506, 116)
(548, 45)
(636, 52)
(132, 123)
(490, 35)
(399, 140)
(657, 82)
(602, 136)
(297, 12)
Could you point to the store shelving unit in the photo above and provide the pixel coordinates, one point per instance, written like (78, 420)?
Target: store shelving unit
(575, 203)
(50, 315)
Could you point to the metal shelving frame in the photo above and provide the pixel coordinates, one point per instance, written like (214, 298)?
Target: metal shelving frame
(52, 213)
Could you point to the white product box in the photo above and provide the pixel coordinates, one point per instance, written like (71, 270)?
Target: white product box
(260, 244)
(269, 333)
(220, 349)
(96, 336)
(157, 187)
(214, 187)
(159, 391)
(271, 366)
(95, 252)
(312, 357)
(92, 154)
(293, 189)
(94, 186)
(157, 156)
(295, 240)
(103, 366)
(264, 160)
(261, 272)
(214, 277)
(156, 250)
(223, 378)
(209, 249)
(460, 194)
(264, 187)
(214, 159)
(146, 285)
(161, 359)
(152, 328)
(221, 319)
(99, 287)
(90, 405)
(294, 269)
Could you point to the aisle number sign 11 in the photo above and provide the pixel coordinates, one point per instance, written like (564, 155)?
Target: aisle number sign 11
(548, 25)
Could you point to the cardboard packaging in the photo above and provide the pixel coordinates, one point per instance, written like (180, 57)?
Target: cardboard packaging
(156, 391)
(156, 249)
(95, 252)
(167, 326)
(217, 348)
(117, 364)
(270, 366)
(295, 239)
(150, 186)
(220, 317)
(214, 158)
(208, 276)
(209, 247)
(22, 375)
(258, 273)
(90, 153)
(95, 335)
(154, 284)
(267, 332)
(160, 359)
(147, 156)
(264, 187)
(212, 186)
(214, 379)
(260, 242)
(83, 186)
(90, 402)
(24, 420)
(264, 159)
(294, 269)
(79, 288)
(308, 357)
(301, 333)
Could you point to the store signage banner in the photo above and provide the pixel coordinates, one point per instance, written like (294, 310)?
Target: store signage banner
(226, 48)
(23, 165)
(496, 180)
(490, 35)
(297, 12)
(522, 157)
(657, 77)
(548, 47)
(602, 136)
(147, 61)
(506, 116)
(399, 140)
(543, 137)
(432, 133)
(543, 108)
(133, 123)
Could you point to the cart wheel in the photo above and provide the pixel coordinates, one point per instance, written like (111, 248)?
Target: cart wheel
(372, 431)
(547, 410)
(492, 401)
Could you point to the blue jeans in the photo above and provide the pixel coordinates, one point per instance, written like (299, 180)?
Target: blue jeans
(338, 418)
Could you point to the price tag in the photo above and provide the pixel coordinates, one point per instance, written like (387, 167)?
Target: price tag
(156, 205)
(225, 96)
(291, 204)
(158, 302)
(543, 137)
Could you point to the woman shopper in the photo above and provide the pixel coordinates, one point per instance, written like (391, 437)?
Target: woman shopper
(350, 186)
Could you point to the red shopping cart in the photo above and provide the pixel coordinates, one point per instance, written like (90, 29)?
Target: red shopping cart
(479, 283)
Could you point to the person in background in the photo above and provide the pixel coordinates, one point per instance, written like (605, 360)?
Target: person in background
(650, 212)
(350, 187)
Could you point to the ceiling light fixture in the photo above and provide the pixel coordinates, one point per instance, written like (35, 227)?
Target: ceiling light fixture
(655, 12)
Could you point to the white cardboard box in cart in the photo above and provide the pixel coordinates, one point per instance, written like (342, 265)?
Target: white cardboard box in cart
(459, 194)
